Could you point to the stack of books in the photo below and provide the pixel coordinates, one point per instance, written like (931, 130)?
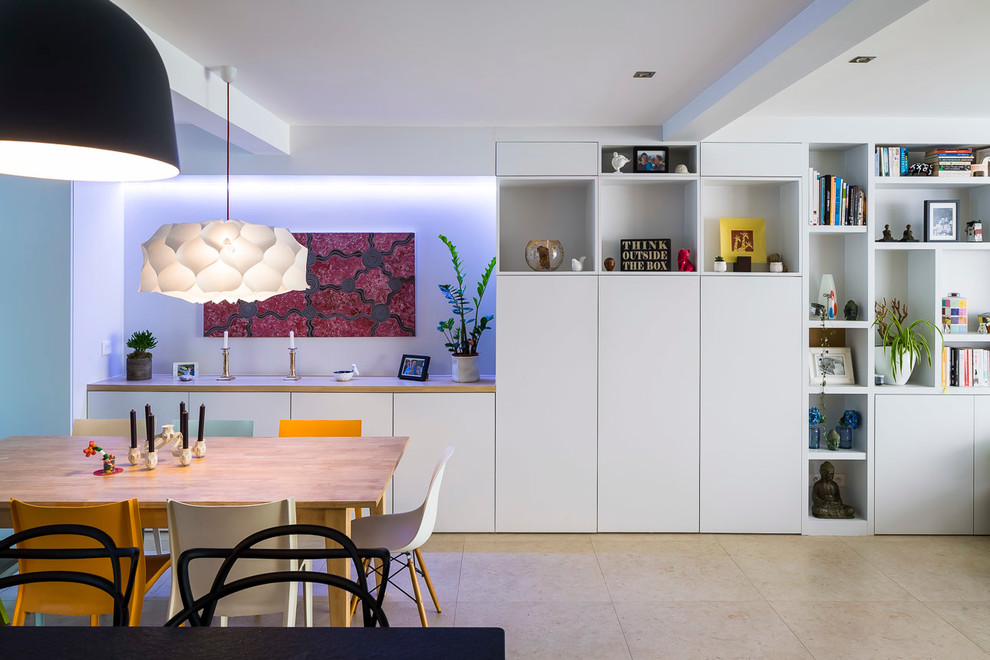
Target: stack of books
(949, 162)
(890, 161)
(965, 367)
(834, 201)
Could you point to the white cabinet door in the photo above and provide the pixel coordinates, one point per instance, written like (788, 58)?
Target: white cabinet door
(546, 408)
(981, 469)
(374, 409)
(753, 422)
(118, 405)
(648, 397)
(924, 464)
(264, 408)
(432, 421)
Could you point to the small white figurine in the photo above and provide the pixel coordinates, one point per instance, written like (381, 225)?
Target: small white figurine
(354, 369)
(681, 169)
(618, 161)
(578, 264)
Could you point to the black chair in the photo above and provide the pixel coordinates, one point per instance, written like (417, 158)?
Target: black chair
(118, 591)
(200, 612)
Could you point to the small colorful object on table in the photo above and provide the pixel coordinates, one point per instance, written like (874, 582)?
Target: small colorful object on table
(109, 462)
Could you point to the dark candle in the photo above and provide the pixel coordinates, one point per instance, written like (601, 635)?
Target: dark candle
(202, 422)
(133, 428)
(184, 427)
(151, 435)
(182, 407)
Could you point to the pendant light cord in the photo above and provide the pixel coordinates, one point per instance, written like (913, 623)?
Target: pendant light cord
(228, 151)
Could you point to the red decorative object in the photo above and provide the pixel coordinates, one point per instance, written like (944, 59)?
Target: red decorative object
(360, 285)
(684, 261)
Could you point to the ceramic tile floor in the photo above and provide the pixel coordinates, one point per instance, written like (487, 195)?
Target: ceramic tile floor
(698, 596)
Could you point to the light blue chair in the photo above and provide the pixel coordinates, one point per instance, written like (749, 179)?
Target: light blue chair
(220, 427)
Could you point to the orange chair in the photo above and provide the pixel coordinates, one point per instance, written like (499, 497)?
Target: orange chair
(122, 521)
(312, 428)
(309, 428)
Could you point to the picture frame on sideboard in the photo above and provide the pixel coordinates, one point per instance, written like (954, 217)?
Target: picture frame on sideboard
(942, 220)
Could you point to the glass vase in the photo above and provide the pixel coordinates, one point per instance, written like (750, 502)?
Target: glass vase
(845, 437)
(814, 437)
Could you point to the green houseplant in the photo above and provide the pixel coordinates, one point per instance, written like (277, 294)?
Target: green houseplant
(139, 359)
(901, 344)
(463, 332)
(720, 265)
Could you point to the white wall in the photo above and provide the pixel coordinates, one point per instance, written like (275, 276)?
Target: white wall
(462, 208)
(35, 335)
(97, 285)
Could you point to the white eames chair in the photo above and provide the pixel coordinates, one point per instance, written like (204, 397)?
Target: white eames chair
(405, 533)
(194, 526)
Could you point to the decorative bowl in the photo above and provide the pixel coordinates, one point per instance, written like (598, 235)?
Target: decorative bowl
(544, 254)
(343, 375)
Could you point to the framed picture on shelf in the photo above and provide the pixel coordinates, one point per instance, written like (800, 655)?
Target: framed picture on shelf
(185, 370)
(743, 237)
(941, 220)
(833, 364)
(414, 367)
(650, 160)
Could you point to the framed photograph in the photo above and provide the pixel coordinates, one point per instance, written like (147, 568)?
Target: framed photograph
(941, 220)
(835, 364)
(650, 160)
(743, 237)
(185, 370)
(414, 367)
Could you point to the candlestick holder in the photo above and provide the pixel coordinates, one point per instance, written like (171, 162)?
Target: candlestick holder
(292, 366)
(226, 365)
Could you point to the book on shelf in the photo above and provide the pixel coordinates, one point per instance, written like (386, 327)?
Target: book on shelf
(965, 367)
(834, 201)
(890, 161)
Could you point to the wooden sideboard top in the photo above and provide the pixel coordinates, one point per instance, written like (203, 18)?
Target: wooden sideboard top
(209, 383)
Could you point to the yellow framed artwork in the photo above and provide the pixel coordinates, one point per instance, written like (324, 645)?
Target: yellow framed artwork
(743, 237)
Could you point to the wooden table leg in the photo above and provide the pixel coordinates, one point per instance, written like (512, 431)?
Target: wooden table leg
(340, 612)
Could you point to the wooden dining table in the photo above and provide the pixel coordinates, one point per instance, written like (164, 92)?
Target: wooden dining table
(328, 477)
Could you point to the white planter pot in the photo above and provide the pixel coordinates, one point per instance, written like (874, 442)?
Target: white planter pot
(464, 368)
(904, 368)
(720, 266)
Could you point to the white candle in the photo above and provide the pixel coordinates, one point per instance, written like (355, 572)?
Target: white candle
(292, 339)
(225, 339)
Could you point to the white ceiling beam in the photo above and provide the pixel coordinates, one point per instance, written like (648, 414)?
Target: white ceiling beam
(199, 97)
(824, 30)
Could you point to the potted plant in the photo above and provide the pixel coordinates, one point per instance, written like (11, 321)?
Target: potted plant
(139, 359)
(720, 265)
(849, 422)
(463, 334)
(775, 263)
(900, 344)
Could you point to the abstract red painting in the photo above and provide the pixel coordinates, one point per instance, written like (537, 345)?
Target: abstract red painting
(360, 285)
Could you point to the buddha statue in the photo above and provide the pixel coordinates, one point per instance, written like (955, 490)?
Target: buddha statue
(825, 499)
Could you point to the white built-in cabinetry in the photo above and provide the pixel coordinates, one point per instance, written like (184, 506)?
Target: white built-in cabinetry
(675, 427)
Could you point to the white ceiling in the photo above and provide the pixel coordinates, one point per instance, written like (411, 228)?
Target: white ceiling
(930, 63)
(570, 62)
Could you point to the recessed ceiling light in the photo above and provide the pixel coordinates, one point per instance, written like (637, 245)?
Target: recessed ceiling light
(644, 74)
(862, 59)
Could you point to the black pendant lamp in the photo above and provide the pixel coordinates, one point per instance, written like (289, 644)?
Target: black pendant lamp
(84, 94)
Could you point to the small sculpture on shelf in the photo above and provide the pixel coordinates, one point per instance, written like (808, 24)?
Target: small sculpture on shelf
(577, 265)
(851, 310)
(684, 263)
(908, 236)
(826, 502)
(681, 169)
(609, 263)
(618, 161)
(888, 237)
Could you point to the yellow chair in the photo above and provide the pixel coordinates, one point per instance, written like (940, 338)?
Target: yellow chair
(120, 520)
(309, 428)
(115, 427)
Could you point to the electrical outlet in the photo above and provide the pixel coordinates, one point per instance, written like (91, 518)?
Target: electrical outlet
(105, 347)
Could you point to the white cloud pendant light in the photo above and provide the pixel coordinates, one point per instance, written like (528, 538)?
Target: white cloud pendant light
(222, 260)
